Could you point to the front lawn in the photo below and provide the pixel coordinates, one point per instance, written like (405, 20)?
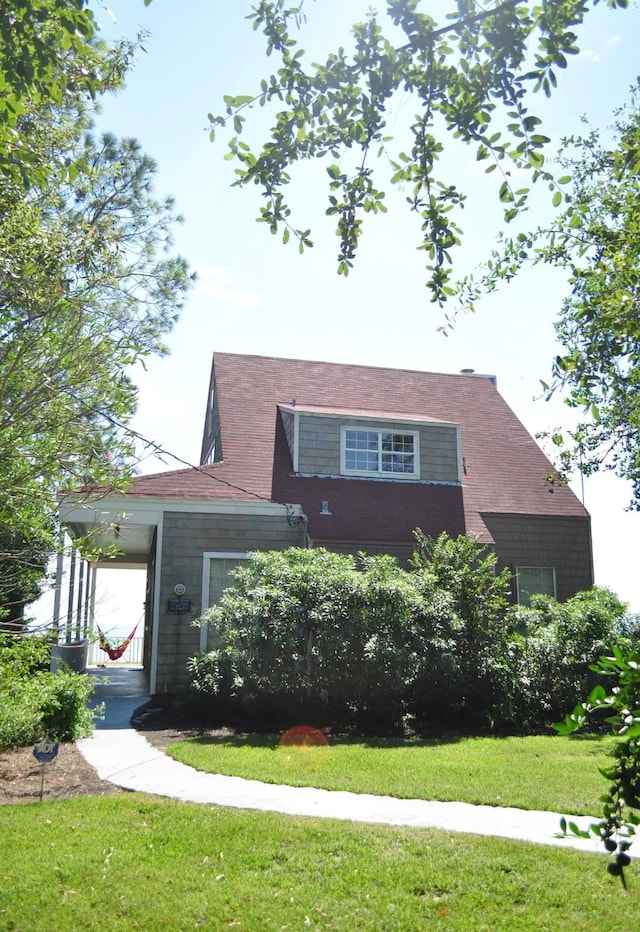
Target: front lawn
(130, 862)
(536, 772)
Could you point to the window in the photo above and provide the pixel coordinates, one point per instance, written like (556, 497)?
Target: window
(380, 453)
(532, 580)
(216, 577)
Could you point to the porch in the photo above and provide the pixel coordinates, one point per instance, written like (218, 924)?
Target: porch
(123, 689)
(132, 657)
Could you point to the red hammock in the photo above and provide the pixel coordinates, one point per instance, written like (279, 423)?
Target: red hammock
(115, 653)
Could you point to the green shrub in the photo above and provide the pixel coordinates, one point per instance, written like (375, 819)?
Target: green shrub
(464, 572)
(314, 627)
(550, 654)
(53, 704)
(24, 654)
(35, 702)
(360, 637)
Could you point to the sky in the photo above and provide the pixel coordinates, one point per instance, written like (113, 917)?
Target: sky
(256, 295)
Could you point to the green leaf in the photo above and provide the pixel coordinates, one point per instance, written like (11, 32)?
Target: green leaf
(579, 832)
(505, 193)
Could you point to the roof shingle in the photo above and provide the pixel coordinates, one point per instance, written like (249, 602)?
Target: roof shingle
(505, 470)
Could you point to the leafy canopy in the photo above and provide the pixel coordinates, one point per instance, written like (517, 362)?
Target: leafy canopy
(471, 76)
(88, 289)
(596, 237)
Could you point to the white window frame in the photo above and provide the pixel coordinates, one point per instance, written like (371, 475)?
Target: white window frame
(548, 569)
(207, 557)
(379, 473)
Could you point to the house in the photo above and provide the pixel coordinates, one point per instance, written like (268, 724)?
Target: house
(299, 453)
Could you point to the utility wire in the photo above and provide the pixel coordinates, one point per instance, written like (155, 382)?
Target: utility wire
(161, 451)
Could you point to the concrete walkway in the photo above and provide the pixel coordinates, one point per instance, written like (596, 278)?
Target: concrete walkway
(124, 757)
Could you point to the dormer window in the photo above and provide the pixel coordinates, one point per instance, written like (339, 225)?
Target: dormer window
(380, 453)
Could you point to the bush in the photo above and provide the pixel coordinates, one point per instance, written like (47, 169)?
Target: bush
(465, 573)
(24, 655)
(343, 637)
(550, 653)
(35, 702)
(324, 630)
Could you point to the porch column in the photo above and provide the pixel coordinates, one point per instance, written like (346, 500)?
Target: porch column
(92, 599)
(72, 584)
(79, 603)
(57, 593)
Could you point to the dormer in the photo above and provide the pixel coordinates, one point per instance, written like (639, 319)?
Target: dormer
(361, 444)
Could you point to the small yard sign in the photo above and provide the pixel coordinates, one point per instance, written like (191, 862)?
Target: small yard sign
(45, 751)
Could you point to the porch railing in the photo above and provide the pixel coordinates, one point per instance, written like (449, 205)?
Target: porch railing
(132, 656)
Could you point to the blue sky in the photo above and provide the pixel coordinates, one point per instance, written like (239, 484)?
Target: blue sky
(255, 295)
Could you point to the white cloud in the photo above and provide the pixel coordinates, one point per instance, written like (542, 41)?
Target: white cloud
(596, 55)
(216, 282)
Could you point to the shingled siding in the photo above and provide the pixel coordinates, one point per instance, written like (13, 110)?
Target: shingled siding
(402, 552)
(211, 439)
(186, 537)
(545, 540)
(319, 446)
(288, 422)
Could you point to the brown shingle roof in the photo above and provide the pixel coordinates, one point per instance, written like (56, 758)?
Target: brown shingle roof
(506, 472)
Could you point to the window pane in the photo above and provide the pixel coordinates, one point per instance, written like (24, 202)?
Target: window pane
(400, 457)
(362, 440)
(361, 450)
(398, 443)
(219, 580)
(354, 459)
(533, 580)
(397, 462)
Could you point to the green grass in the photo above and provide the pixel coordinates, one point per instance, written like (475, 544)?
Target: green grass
(552, 773)
(132, 862)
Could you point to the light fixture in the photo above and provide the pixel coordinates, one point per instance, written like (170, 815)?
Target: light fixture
(179, 589)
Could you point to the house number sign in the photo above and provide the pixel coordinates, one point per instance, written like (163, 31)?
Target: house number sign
(179, 605)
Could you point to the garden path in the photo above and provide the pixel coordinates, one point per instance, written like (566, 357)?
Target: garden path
(123, 756)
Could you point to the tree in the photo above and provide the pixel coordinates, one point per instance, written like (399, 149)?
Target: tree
(621, 802)
(597, 239)
(471, 76)
(87, 290)
(24, 555)
(48, 55)
(599, 325)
